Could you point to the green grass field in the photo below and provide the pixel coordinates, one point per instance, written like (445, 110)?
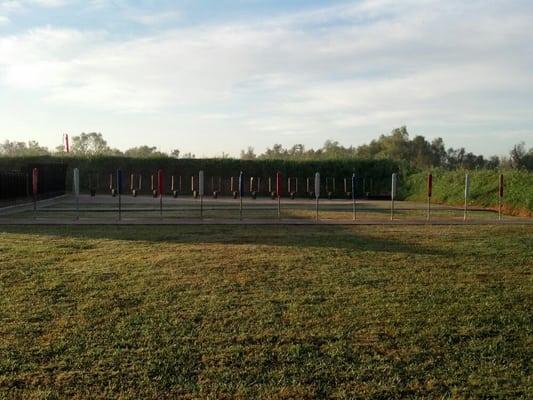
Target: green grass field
(266, 312)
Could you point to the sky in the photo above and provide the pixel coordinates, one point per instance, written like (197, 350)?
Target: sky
(213, 77)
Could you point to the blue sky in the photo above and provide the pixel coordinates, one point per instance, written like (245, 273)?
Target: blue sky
(217, 76)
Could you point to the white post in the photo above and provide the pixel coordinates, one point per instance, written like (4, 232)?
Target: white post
(467, 193)
(393, 194)
(317, 191)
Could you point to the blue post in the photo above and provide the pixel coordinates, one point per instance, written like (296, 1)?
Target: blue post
(119, 192)
(241, 192)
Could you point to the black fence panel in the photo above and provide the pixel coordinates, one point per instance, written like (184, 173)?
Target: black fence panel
(17, 185)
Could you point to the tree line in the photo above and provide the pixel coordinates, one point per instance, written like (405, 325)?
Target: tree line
(417, 153)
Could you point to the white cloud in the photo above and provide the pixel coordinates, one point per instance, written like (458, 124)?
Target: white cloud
(369, 64)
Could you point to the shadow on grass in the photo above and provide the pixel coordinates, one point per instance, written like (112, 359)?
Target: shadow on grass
(337, 237)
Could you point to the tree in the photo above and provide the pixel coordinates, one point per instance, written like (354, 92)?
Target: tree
(175, 153)
(91, 144)
(517, 154)
(22, 149)
(144, 152)
(249, 154)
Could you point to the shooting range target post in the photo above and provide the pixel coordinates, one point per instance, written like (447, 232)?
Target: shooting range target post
(76, 190)
(160, 189)
(354, 205)
(241, 192)
(35, 187)
(201, 184)
(173, 186)
(132, 185)
(317, 191)
(467, 194)
(393, 194)
(430, 193)
(119, 192)
(111, 188)
(500, 197)
(278, 192)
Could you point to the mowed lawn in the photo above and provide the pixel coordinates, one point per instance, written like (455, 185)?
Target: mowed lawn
(266, 312)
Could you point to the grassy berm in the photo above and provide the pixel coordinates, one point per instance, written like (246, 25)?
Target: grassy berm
(449, 188)
(266, 312)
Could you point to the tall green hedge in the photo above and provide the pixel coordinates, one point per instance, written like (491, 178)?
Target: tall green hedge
(374, 175)
(448, 187)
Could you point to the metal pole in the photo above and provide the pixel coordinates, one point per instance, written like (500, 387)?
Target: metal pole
(353, 197)
(467, 192)
(317, 209)
(393, 195)
(500, 198)
(430, 193)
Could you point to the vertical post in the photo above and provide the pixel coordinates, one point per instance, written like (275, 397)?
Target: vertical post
(393, 194)
(161, 190)
(35, 187)
(241, 192)
(119, 192)
(278, 192)
(201, 185)
(467, 193)
(354, 181)
(140, 182)
(269, 185)
(172, 188)
(500, 202)
(317, 192)
(430, 193)
(76, 187)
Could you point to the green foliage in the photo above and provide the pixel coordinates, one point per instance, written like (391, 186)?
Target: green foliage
(418, 153)
(448, 187)
(22, 149)
(147, 152)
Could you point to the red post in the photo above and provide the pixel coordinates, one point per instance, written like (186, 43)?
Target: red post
(34, 181)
